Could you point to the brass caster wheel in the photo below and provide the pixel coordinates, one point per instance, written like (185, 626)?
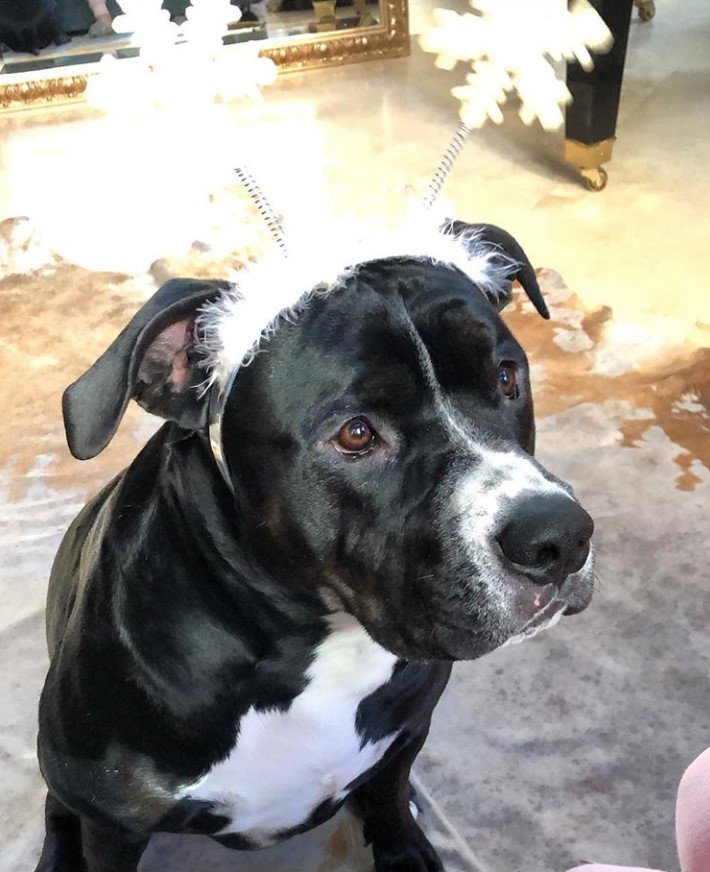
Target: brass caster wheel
(647, 9)
(595, 179)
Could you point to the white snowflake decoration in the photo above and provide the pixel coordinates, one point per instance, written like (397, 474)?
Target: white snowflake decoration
(207, 21)
(512, 46)
(149, 26)
(182, 69)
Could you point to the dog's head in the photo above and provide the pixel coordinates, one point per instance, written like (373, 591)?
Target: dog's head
(379, 447)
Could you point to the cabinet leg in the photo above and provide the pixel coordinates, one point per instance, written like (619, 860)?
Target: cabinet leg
(588, 160)
(591, 117)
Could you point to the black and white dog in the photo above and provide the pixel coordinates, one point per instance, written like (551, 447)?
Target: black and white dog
(255, 620)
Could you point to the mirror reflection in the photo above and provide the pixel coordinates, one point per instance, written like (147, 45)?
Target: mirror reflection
(38, 35)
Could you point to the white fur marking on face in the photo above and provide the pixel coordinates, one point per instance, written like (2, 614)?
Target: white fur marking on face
(496, 480)
(478, 503)
(285, 764)
(495, 483)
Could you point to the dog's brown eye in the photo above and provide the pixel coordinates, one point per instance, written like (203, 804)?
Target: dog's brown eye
(508, 380)
(355, 437)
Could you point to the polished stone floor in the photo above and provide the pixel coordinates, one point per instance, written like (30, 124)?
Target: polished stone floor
(566, 748)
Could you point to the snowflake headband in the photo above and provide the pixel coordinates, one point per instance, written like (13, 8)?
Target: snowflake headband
(278, 288)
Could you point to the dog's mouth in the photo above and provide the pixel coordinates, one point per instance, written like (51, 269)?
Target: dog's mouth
(578, 587)
(531, 608)
(532, 602)
(546, 605)
(547, 616)
(519, 609)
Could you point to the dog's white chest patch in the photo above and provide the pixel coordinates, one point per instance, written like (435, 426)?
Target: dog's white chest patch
(285, 764)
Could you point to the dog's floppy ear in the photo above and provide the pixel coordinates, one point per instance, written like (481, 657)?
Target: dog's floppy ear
(510, 251)
(152, 361)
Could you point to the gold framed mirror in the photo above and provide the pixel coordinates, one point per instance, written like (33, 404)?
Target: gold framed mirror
(295, 34)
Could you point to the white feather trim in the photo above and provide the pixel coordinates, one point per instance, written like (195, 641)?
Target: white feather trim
(277, 288)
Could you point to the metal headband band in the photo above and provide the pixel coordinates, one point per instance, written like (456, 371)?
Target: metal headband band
(214, 429)
(220, 395)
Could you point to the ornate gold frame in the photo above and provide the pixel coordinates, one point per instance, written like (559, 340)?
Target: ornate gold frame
(389, 39)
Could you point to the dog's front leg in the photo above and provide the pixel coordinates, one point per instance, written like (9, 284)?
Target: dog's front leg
(398, 843)
(73, 844)
(61, 851)
(111, 849)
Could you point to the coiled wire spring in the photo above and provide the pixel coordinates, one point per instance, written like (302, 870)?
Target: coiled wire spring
(273, 221)
(442, 171)
(266, 210)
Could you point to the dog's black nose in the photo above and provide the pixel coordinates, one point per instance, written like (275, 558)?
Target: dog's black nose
(547, 537)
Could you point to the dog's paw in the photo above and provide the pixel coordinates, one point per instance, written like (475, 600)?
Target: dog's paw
(414, 855)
